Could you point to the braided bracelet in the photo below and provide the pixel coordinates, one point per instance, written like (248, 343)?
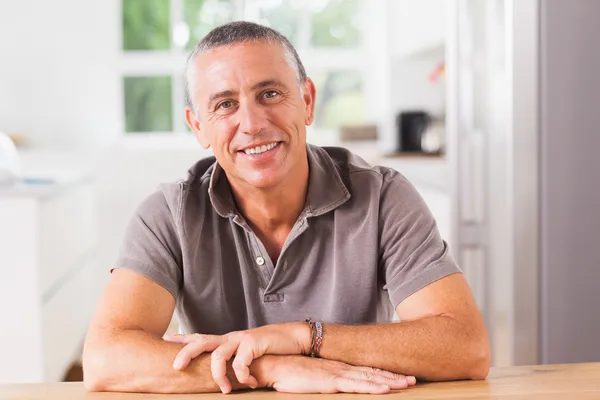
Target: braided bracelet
(316, 333)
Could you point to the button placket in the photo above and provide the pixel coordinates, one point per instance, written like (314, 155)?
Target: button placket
(259, 262)
(265, 264)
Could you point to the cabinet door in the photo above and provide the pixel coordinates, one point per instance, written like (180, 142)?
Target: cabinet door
(65, 319)
(67, 235)
(20, 319)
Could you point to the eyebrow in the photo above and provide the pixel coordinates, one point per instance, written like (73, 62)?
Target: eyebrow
(268, 82)
(219, 95)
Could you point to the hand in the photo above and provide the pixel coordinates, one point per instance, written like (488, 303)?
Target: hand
(282, 339)
(298, 374)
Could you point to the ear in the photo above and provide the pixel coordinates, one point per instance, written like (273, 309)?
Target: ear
(310, 96)
(194, 124)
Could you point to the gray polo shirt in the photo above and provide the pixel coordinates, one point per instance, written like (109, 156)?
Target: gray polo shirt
(364, 242)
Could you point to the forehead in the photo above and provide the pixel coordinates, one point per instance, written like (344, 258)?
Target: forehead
(233, 67)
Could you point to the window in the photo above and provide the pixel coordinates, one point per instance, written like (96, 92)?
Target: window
(339, 99)
(157, 36)
(146, 25)
(148, 105)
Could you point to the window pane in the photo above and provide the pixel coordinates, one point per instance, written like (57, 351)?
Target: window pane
(148, 106)
(339, 99)
(334, 23)
(202, 16)
(282, 15)
(146, 24)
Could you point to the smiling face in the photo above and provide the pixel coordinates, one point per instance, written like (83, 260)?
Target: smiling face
(251, 110)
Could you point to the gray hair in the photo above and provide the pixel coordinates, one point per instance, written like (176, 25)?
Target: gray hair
(240, 32)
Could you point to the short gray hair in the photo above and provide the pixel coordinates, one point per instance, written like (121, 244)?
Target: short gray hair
(240, 32)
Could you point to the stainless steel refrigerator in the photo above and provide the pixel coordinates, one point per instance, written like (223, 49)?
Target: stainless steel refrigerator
(523, 122)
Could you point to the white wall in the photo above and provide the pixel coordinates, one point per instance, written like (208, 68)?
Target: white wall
(59, 81)
(411, 87)
(124, 178)
(416, 25)
(60, 86)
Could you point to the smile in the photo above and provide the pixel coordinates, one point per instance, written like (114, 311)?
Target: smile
(261, 149)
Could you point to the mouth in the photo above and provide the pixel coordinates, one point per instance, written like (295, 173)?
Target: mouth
(261, 149)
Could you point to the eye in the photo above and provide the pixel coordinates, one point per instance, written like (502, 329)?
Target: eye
(270, 94)
(225, 105)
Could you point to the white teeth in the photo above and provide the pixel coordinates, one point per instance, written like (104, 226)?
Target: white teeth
(260, 149)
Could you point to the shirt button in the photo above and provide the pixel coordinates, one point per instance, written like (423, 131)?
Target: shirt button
(260, 261)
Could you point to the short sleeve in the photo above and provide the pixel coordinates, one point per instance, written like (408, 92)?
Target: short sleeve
(151, 245)
(412, 253)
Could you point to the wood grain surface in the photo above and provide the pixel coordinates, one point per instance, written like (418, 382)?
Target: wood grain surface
(566, 381)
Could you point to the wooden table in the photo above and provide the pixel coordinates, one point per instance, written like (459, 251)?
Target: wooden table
(568, 381)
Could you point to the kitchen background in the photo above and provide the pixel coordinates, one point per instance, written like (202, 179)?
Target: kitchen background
(487, 106)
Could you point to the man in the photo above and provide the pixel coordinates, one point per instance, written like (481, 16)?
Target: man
(274, 232)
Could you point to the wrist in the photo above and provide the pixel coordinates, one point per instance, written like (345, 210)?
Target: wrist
(302, 335)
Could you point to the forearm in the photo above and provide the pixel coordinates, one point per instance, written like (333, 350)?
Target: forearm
(135, 361)
(432, 348)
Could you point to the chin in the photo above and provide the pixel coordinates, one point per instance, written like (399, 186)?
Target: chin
(264, 181)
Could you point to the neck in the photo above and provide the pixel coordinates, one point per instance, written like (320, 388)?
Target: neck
(274, 208)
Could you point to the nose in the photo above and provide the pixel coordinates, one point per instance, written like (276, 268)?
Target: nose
(252, 118)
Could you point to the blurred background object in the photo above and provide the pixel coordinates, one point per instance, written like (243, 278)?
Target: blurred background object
(9, 161)
(358, 132)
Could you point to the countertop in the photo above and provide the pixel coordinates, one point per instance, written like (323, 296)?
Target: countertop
(568, 381)
(45, 173)
(43, 186)
(430, 172)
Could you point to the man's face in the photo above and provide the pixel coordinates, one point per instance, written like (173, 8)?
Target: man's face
(251, 111)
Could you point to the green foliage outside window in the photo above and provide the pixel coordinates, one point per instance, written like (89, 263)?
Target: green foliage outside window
(148, 106)
(146, 24)
(339, 99)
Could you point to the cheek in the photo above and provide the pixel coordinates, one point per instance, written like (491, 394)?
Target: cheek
(287, 114)
(224, 133)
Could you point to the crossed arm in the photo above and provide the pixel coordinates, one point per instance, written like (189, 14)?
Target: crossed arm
(441, 337)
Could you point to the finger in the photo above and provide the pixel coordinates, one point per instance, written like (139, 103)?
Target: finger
(218, 364)
(394, 384)
(181, 338)
(185, 339)
(191, 351)
(241, 363)
(349, 385)
(395, 381)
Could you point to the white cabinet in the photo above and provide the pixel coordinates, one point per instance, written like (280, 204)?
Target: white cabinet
(48, 278)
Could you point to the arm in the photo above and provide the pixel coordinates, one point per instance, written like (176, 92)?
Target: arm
(441, 336)
(124, 350)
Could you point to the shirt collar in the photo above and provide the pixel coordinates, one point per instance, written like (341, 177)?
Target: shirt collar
(326, 186)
